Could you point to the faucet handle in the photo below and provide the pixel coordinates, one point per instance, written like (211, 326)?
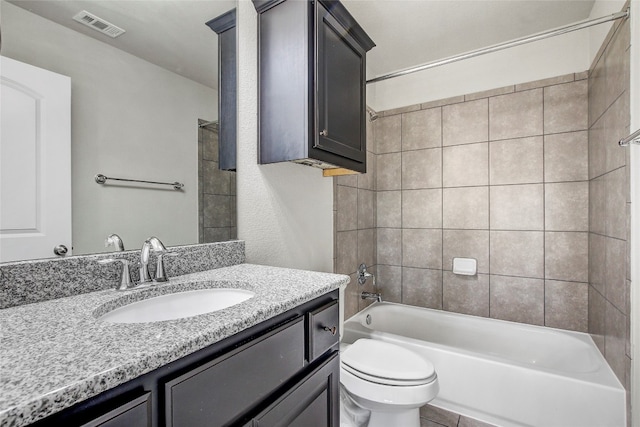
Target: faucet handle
(125, 275)
(161, 275)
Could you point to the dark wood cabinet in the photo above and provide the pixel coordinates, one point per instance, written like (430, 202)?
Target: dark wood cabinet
(225, 27)
(281, 372)
(312, 98)
(135, 413)
(313, 402)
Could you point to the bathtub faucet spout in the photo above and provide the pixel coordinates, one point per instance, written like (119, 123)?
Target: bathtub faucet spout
(371, 295)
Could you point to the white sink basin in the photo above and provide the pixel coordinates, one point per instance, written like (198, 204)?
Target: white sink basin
(177, 305)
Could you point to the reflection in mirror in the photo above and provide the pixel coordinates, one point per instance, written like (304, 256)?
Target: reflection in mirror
(137, 102)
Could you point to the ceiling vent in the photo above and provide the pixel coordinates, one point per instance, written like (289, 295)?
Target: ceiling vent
(98, 24)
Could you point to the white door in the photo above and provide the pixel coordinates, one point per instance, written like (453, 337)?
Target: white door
(35, 162)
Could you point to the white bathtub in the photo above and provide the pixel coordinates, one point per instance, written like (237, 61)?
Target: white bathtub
(503, 373)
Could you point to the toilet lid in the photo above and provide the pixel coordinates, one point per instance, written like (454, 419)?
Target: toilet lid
(382, 360)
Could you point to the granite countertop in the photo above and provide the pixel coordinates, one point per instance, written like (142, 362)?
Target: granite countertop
(54, 354)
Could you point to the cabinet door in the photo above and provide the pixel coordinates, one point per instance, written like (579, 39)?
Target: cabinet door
(313, 402)
(340, 93)
(136, 413)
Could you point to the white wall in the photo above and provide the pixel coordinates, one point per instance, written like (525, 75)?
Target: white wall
(285, 211)
(597, 33)
(130, 118)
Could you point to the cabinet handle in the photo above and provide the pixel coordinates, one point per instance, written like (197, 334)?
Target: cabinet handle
(333, 330)
(324, 132)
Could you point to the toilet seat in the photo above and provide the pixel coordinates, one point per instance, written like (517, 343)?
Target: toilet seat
(387, 364)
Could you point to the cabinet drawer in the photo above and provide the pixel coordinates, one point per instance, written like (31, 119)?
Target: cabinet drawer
(323, 329)
(136, 413)
(216, 393)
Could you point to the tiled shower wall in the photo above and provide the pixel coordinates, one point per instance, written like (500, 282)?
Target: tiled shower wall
(499, 176)
(216, 191)
(609, 204)
(355, 226)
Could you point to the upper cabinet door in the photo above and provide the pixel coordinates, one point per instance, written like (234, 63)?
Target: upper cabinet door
(340, 91)
(312, 104)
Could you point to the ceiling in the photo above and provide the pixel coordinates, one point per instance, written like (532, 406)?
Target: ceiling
(169, 33)
(173, 35)
(421, 31)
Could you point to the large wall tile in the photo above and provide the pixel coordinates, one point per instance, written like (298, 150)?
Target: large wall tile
(597, 261)
(516, 115)
(389, 282)
(565, 107)
(389, 209)
(347, 213)
(389, 172)
(466, 294)
(616, 63)
(597, 205)
(517, 207)
(347, 252)
(389, 246)
(517, 253)
(465, 244)
(422, 248)
(566, 206)
(616, 126)
(567, 256)
(465, 123)
(388, 134)
(367, 247)
(616, 190)
(366, 205)
(517, 299)
(615, 273)
(597, 149)
(597, 91)
(566, 305)
(597, 316)
(465, 208)
(422, 208)
(465, 165)
(615, 340)
(422, 169)
(422, 129)
(516, 161)
(566, 157)
(422, 287)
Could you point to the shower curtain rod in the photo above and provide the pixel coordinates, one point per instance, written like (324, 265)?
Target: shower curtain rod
(495, 48)
(634, 138)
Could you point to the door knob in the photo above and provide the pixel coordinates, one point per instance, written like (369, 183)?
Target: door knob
(60, 250)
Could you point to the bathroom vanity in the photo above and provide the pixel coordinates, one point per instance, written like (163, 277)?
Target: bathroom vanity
(283, 369)
(270, 360)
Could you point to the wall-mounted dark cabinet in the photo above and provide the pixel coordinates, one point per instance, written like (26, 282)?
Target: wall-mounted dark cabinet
(312, 99)
(281, 372)
(225, 27)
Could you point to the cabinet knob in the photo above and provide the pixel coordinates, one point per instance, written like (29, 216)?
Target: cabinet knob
(324, 132)
(333, 330)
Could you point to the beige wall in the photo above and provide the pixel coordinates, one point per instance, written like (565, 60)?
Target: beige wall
(609, 204)
(129, 118)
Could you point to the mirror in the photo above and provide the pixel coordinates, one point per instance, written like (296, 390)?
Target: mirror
(143, 106)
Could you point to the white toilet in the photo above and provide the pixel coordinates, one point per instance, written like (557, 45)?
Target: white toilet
(390, 381)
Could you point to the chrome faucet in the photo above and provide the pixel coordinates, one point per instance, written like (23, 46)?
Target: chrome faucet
(157, 246)
(363, 275)
(151, 243)
(371, 295)
(116, 241)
